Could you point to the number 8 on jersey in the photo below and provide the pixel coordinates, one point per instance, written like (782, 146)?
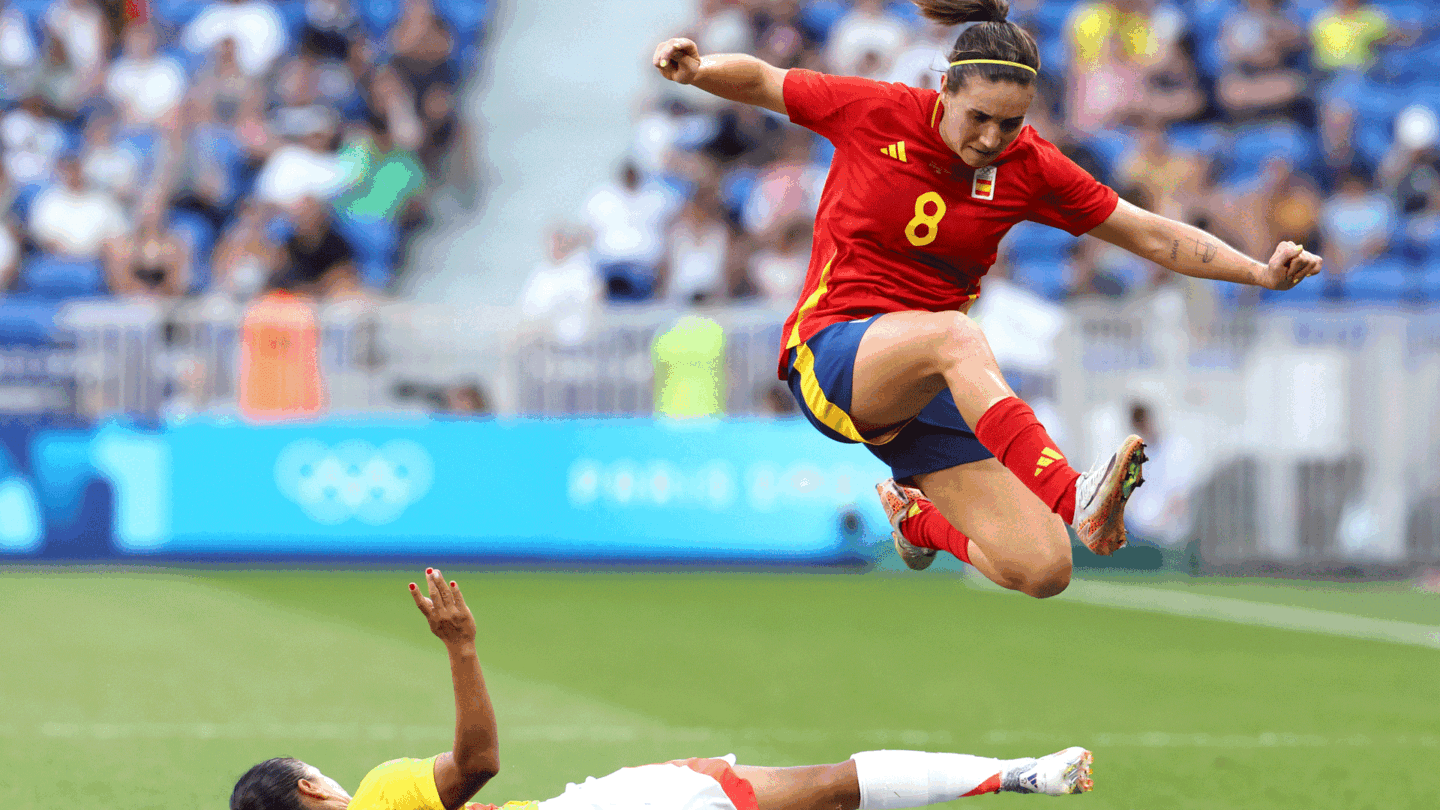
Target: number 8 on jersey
(931, 222)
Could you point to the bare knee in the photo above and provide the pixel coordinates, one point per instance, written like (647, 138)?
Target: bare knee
(1050, 581)
(1040, 578)
(956, 338)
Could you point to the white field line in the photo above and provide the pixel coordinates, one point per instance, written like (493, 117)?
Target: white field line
(1243, 611)
(616, 734)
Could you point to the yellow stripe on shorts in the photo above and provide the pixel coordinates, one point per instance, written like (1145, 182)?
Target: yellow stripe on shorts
(829, 414)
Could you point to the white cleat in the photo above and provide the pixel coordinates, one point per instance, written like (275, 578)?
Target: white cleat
(901, 502)
(1100, 496)
(1057, 774)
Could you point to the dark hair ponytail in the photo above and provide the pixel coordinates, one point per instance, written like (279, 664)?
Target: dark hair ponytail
(991, 37)
(271, 785)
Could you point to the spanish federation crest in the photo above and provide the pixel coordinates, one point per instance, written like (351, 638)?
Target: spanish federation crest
(983, 187)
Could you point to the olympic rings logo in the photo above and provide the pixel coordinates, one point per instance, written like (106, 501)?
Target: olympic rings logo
(354, 479)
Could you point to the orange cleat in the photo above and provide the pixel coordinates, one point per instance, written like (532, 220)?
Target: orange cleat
(901, 502)
(1101, 494)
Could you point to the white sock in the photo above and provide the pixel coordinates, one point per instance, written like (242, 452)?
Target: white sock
(895, 779)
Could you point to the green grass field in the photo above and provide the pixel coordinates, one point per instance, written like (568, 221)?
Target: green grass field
(129, 689)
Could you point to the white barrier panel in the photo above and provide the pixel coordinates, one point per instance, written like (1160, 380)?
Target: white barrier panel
(1308, 435)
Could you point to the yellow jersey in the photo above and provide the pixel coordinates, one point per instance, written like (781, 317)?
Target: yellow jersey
(409, 784)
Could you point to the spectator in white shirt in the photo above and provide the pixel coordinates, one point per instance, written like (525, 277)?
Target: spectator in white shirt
(72, 219)
(922, 63)
(9, 257)
(699, 246)
(778, 270)
(147, 86)
(563, 292)
(19, 53)
(255, 25)
(81, 25)
(868, 30)
(1160, 511)
(307, 166)
(1355, 224)
(628, 220)
(31, 140)
(109, 166)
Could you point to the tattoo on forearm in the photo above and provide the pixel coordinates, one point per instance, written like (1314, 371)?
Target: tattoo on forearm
(1204, 251)
(1174, 249)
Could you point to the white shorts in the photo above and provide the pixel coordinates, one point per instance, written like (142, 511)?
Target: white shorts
(658, 787)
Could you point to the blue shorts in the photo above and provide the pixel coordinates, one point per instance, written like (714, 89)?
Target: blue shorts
(822, 372)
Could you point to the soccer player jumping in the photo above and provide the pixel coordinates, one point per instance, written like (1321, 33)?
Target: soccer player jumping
(870, 780)
(880, 350)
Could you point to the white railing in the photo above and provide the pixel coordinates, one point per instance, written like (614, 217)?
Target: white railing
(1316, 433)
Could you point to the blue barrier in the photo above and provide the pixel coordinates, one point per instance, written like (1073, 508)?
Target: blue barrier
(597, 490)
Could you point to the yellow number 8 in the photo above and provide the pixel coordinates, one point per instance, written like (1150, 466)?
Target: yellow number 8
(930, 221)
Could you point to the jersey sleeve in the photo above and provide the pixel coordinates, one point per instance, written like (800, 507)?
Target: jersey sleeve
(400, 784)
(827, 104)
(1068, 197)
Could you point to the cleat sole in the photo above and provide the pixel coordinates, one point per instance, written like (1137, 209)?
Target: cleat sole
(1078, 776)
(1109, 536)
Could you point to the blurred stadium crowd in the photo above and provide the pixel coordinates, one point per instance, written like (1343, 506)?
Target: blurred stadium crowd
(1260, 120)
(169, 148)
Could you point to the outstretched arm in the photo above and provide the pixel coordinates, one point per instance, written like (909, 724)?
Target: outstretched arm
(1190, 251)
(476, 758)
(734, 76)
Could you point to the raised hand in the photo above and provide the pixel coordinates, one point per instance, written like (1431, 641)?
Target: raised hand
(1289, 265)
(678, 60)
(450, 619)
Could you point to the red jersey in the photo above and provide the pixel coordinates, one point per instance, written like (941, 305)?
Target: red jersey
(904, 223)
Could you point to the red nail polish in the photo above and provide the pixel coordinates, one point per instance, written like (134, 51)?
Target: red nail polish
(452, 583)
(429, 570)
(412, 586)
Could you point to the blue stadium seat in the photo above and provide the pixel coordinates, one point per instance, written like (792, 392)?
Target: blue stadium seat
(1305, 11)
(1031, 241)
(374, 242)
(175, 12)
(1405, 12)
(1429, 281)
(33, 10)
(1310, 292)
(1423, 249)
(54, 277)
(906, 12)
(199, 235)
(293, 14)
(27, 321)
(464, 16)
(1207, 17)
(1384, 280)
(1051, 18)
(1054, 53)
(819, 16)
(378, 16)
(1405, 66)
(1205, 139)
(1110, 147)
(1044, 278)
(735, 188)
(1252, 147)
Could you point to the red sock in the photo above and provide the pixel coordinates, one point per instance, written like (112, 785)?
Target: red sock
(991, 785)
(929, 529)
(1011, 431)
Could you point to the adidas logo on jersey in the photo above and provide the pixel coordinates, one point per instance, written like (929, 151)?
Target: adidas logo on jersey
(895, 150)
(983, 188)
(1047, 457)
